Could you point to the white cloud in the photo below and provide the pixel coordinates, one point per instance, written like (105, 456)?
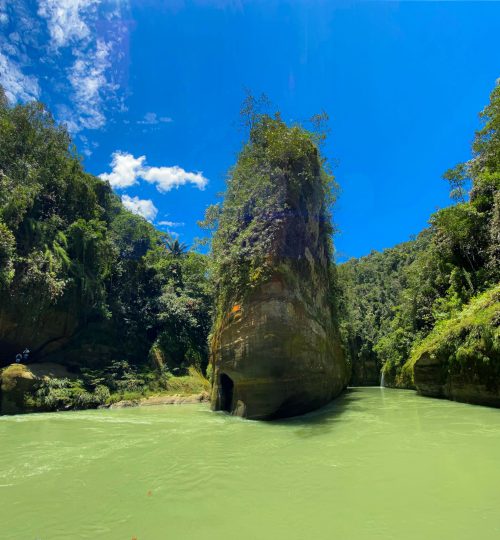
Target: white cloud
(66, 19)
(91, 33)
(171, 223)
(142, 207)
(4, 18)
(88, 80)
(126, 169)
(17, 85)
(152, 118)
(167, 178)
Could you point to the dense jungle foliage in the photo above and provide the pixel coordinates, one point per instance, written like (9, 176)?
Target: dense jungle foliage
(140, 302)
(396, 298)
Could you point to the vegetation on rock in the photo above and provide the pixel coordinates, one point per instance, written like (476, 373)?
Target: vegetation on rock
(461, 351)
(276, 167)
(275, 342)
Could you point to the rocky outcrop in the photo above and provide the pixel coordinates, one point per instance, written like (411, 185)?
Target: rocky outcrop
(460, 360)
(275, 347)
(18, 381)
(57, 334)
(175, 399)
(365, 368)
(469, 384)
(42, 331)
(277, 354)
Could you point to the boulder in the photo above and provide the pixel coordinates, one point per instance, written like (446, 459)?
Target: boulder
(16, 381)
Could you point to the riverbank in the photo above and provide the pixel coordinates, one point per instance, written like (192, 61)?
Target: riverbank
(166, 399)
(49, 387)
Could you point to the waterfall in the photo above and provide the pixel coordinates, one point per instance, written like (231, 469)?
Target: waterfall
(382, 379)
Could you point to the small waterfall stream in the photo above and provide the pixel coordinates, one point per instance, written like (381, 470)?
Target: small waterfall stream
(382, 379)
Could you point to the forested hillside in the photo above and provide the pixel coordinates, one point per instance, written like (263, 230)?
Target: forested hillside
(398, 297)
(371, 290)
(84, 282)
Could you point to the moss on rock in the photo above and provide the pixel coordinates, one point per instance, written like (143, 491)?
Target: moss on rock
(16, 381)
(460, 359)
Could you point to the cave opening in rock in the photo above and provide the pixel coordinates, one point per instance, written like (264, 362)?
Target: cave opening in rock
(226, 393)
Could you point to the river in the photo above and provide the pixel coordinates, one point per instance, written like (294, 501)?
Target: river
(375, 464)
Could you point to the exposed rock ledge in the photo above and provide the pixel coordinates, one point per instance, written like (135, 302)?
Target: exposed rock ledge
(176, 399)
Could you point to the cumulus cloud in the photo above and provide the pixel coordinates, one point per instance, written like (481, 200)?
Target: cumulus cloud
(4, 18)
(151, 118)
(126, 169)
(142, 207)
(167, 178)
(17, 85)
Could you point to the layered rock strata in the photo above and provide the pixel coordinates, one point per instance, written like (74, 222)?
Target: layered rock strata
(275, 348)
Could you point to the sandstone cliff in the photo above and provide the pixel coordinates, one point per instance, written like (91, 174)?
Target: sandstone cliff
(275, 348)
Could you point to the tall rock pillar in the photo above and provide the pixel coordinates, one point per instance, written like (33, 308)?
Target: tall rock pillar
(275, 347)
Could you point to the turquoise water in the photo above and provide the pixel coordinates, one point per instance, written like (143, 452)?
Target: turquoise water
(376, 464)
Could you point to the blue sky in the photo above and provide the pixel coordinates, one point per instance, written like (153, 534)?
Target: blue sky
(151, 91)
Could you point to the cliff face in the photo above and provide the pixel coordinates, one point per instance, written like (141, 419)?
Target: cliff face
(275, 347)
(469, 385)
(461, 359)
(41, 330)
(365, 369)
(277, 354)
(58, 333)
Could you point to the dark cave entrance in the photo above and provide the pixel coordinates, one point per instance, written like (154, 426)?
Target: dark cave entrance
(226, 393)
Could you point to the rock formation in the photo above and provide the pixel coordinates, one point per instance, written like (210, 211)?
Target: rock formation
(275, 348)
(18, 382)
(434, 379)
(461, 360)
(365, 369)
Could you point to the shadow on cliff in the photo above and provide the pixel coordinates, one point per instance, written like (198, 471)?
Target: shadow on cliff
(322, 420)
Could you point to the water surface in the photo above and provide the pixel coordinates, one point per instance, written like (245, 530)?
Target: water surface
(376, 464)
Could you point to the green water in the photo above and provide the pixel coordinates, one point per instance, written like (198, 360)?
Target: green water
(378, 463)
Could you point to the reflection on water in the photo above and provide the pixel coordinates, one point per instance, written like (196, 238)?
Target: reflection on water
(376, 463)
